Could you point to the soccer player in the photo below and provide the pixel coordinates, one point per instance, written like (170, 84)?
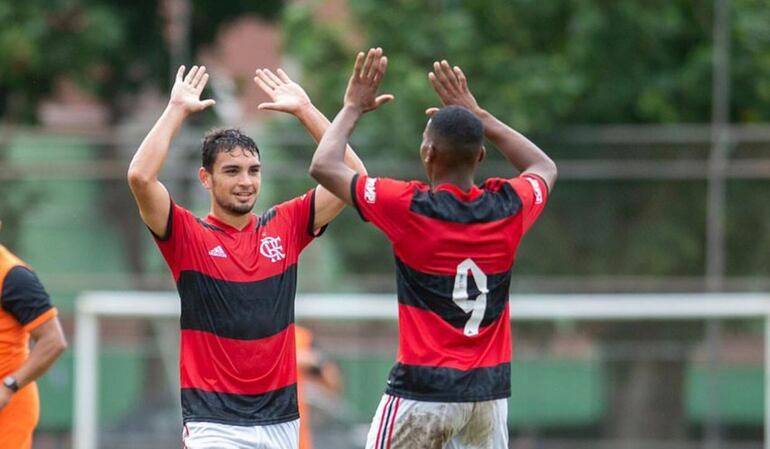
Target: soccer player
(235, 271)
(454, 244)
(25, 311)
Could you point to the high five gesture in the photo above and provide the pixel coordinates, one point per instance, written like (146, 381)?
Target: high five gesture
(187, 90)
(328, 166)
(452, 88)
(151, 196)
(285, 95)
(289, 97)
(367, 76)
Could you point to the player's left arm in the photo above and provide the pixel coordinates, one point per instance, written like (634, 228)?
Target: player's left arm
(289, 97)
(25, 298)
(328, 166)
(452, 87)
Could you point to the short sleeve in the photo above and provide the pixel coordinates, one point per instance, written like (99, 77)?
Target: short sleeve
(382, 201)
(300, 213)
(533, 192)
(25, 298)
(172, 244)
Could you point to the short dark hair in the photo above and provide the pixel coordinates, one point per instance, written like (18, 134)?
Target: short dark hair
(223, 140)
(459, 131)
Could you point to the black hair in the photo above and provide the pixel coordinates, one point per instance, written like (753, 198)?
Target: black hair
(457, 131)
(222, 141)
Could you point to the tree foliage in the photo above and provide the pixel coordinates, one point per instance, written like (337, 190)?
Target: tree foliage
(541, 66)
(108, 47)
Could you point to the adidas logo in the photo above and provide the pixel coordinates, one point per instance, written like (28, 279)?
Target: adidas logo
(218, 252)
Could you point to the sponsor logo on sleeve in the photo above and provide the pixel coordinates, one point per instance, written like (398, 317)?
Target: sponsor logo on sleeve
(370, 190)
(536, 189)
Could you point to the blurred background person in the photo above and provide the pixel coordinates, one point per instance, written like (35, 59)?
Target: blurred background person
(26, 314)
(318, 381)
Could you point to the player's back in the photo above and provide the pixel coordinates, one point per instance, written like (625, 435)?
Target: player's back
(454, 252)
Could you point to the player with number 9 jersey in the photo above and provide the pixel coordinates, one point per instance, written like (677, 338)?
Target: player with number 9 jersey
(454, 251)
(455, 244)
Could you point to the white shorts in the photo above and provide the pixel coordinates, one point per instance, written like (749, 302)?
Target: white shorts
(206, 435)
(406, 424)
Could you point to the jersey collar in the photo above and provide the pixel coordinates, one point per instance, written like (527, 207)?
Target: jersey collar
(221, 224)
(470, 195)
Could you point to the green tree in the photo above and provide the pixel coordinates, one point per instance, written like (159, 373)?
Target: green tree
(109, 48)
(541, 66)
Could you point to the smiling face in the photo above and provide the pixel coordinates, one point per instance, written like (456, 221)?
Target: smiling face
(233, 180)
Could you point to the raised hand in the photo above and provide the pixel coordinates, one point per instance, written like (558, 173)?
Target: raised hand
(451, 86)
(368, 71)
(285, 95)
(187, 90)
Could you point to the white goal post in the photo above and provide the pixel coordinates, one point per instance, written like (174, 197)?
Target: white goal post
(91, 306)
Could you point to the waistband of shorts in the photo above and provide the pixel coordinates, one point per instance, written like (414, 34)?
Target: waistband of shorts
(242, 422)
(447, 397)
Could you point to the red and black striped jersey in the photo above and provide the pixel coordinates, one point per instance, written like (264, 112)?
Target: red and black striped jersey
(454, 252)
(237, 288)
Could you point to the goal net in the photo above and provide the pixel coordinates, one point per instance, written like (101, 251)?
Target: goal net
(612, 370)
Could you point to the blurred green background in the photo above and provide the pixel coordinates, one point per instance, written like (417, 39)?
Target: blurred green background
(655, 111)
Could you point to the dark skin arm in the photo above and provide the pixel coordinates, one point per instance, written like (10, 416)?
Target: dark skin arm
(328, 166)
(452, 87)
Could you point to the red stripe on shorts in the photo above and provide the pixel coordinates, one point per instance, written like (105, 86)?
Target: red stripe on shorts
(382, 421)
(393, 421)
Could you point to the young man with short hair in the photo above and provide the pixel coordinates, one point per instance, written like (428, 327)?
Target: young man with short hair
(454, 244)
(235, 272)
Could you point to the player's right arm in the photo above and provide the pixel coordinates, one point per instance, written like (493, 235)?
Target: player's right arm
(151, 195)
(451, 85)
(328, 166)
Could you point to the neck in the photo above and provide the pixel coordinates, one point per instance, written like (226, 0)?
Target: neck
(237, 221)
(462, 180)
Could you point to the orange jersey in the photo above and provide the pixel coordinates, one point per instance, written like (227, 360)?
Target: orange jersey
(304, 343)
(24, 306)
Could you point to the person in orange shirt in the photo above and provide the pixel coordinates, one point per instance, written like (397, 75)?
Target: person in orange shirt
(312, 367)
(25, 311)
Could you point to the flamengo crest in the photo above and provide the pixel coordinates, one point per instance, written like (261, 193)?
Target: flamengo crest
(271, 248)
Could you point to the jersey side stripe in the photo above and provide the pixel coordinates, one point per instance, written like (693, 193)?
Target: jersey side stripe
(239, 308)
(427, 340)
(425, 383)
(434, 293)
(273, 407)
(490, 206)
(253, 366)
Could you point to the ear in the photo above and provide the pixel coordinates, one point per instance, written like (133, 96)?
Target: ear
(482, 153)
(205, 178)
(430, 154)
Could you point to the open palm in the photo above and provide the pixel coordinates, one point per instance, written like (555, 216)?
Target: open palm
(187, 90)
(285, 95)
